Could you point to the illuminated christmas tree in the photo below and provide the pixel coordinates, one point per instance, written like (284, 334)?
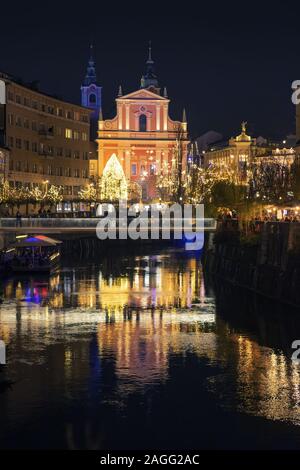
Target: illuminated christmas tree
(113, 183)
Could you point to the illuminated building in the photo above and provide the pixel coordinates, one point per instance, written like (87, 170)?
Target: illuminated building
(48, 138)
(141, 136)
(244, 150)
(4, 163)
(298, 123)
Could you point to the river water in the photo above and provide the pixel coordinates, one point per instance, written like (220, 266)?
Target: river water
(139, 352)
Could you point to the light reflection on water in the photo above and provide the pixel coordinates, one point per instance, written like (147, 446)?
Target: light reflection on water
(98, 341)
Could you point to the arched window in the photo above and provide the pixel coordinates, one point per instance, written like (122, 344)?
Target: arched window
(143, 123)
(92, 98)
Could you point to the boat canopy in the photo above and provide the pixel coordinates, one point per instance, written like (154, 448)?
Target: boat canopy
(35, 241)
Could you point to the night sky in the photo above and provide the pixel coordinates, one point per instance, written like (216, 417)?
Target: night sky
(223, 65)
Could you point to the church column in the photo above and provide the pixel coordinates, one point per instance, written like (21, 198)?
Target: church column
(120, 114)
(165, 118)
(127, 117)
(158, 118)
(100, 159)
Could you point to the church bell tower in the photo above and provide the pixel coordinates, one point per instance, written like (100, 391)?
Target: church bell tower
(91, 93)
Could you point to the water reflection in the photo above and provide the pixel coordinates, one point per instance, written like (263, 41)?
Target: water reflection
(151, 281)
(142, 343)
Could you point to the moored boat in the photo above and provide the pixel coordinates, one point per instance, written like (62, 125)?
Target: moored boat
(36, 253)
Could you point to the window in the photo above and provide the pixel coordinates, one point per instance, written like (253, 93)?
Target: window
(26, 123)
(76, 154)
(18, 143)
(59, 112)
(50, 170)
(59, 131)
(133, 169)
(43, 108)
(26, 102)
(34, 125)
(50, 110)
(84, 136)
(85, 156)
(10, 141)
(69, 115)
(152, 169)
(59, 171)
(85, 173)
(11, 119)
(68, 133)
(76, 135)
(18, 99)
(18, 121)
(50, 130)
(67, 171)
(34, 168)
(26, 144)
(34, 146)
(68, 153)
(10, 96)
(92, 98)
(18, 166)
(76, 173)
(76, 190)
(84, 118)
(76, 116)
(26, 167)
(42, 149)
(59, 151)
(143, 123)
(34, 105)
(68, 190)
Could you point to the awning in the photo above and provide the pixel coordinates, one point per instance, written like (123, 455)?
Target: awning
(35, 241)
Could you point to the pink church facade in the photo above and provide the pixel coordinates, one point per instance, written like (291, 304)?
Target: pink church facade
(143, 137)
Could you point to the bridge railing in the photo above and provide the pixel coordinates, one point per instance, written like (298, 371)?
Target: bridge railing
(29, 222)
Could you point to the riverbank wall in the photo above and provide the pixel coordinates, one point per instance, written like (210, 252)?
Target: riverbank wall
(267, 263)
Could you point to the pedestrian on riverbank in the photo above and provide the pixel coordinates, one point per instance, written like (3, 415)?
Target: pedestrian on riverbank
(18, 219)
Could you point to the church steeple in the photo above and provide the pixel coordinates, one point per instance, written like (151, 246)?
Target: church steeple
(90, 76)
(149, 79)
(91, 95)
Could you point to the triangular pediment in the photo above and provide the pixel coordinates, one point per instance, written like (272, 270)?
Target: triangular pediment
(143, 94)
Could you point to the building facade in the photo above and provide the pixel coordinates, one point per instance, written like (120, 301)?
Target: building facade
(4, 163)
(48, 139)
(141, 136)
(298, 124)
(243, 150)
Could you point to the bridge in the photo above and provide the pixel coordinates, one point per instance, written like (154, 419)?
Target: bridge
(71, 228)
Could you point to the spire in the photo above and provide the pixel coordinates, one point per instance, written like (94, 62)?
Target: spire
(165, 92)
(149, 79)
(90, 76)
(184, 121)
(120, 92)
(150, 54)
